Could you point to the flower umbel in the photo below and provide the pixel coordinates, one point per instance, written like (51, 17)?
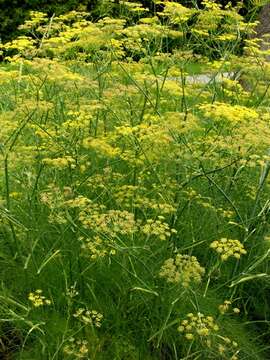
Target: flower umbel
(227, 306)
(182, 269)
(228, 247)
(38, 299)
(77, 348)
(89, 317)
(197, 325)
(158, 228)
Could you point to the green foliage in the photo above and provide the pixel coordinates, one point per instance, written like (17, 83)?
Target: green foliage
(14, 12)
(134, 196)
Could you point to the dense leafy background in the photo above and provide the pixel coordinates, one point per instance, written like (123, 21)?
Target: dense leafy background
(14, 12)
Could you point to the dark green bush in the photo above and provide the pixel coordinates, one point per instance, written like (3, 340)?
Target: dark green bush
(14, 12)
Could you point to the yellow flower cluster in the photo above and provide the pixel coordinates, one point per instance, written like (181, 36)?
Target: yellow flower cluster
(74, 36)
(79, 120)
(228, 349)
(72, 292)
(103, 179)
(182, 269)
(158, 228)
(111, 223)
(210, 4)
(227, 248)
(134, 6)
(81, 202)
(55, 198)
(57, 217)
(197, 325)
(89, 317)
(105, 102)
(127, 195)
(22, 43)
(177, 13)
(38, 299)
(36, 18)
(77, 348)
(96, 248)
(61, 162)
(234, 114)
(133, 196)
(101, 147)
(225, 307)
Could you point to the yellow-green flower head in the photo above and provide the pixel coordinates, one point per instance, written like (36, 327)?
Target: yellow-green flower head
(78, 349)
(228, 247)
(96, 247)
(158, 228)
(89, 317)
(227, 306)
(182, 269)
(223, 308)
(111, 222)
(37, 299)
(197, 325)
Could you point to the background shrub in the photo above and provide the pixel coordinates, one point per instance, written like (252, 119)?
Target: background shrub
(14, 12)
